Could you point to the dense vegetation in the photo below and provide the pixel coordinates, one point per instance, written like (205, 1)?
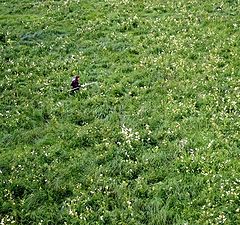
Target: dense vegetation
(156, 141)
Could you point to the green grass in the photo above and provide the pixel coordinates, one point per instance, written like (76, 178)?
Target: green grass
(156, 141)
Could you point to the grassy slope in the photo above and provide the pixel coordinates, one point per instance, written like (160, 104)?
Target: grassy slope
(155, 142)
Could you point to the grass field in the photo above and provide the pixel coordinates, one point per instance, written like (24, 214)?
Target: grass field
(155, 141)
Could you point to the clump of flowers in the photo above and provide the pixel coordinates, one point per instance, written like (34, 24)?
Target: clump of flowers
(129, 135)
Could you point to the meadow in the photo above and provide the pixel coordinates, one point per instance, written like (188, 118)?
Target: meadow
(155, 141)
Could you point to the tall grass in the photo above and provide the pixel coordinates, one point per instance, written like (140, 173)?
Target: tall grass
(155, 141)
